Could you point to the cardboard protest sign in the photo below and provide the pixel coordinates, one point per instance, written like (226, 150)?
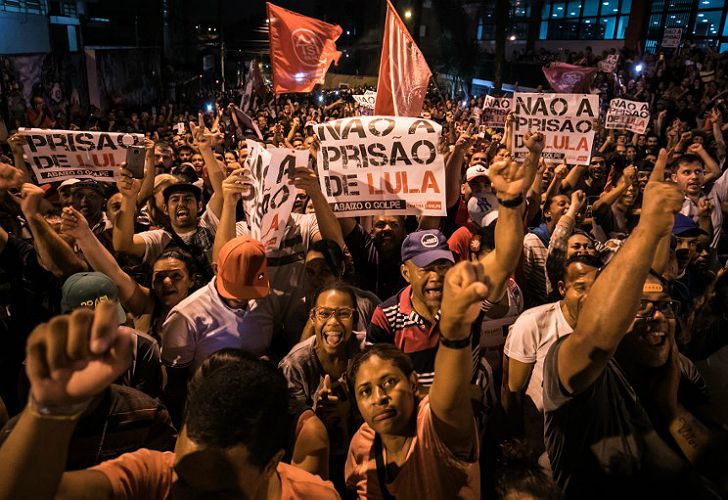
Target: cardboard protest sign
(269, 204)
(628, 115)
(609, 65)
(57, 155)
(671, 38)
(566, 120)
(495, 110)
(366, 100)
(381, 165)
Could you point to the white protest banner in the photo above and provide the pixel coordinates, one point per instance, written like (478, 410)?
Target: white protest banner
(268, 205)
(57, 155)
(628, 115)
(366, 100)
(609, 65)
(381, 165)
(495, 110)
(671, 38)
(566, 120)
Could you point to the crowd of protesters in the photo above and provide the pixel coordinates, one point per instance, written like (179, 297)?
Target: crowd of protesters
(562, 332)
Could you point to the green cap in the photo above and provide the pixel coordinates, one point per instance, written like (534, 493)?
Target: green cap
(87, 290)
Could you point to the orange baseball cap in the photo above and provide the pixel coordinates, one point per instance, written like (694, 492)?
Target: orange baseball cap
(242, 270)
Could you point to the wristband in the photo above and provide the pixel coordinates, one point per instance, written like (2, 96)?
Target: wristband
(487, 305)
(456, 344)
(512, 203)
(65, 412)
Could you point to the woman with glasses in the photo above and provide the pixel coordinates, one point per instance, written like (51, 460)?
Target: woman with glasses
(325, 264)
(315, 367)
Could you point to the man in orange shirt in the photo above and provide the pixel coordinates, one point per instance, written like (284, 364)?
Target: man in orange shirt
(231, 444)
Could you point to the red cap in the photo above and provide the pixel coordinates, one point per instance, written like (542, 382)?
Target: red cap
(242, 270)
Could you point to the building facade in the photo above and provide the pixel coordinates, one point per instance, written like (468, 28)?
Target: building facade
(558, 24)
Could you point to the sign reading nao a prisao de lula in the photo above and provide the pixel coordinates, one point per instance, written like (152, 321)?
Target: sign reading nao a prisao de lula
(381, 165)
(566, 120)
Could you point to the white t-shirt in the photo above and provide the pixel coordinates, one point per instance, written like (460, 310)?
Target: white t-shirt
(286, 269)
(529, 340)
(157, 240)
(203, 324)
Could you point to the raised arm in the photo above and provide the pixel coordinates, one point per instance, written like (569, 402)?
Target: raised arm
(124, 239)
(134, 297)
(206, 140)
(234, 187)
(16, 143)
(453, 169)
(609, 198)
(53, 251)
(305, 178)
(465, 288)
(573, 177)
(560, 172)
(712, 169)
(147, 188)
(510, 181)
(613, 299)
(68, 361)
(556, 256)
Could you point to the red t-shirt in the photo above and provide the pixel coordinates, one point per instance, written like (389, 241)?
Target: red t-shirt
(429, 471)
(149, 474)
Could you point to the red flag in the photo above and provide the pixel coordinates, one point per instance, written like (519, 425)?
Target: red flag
(568, 78)
(403, 71)
(301, 50)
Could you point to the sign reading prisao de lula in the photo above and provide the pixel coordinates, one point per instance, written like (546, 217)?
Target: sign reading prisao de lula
(566, 120)
(628, 115)
(269, 203)
(57, 155)
(495, 110)
(381, 165)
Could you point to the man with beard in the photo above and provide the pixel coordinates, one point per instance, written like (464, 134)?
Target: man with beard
(376, 255)
(689, 173)
(88, 197)
(594, 182)
(619, 399)
(163, 157)
(182, 203)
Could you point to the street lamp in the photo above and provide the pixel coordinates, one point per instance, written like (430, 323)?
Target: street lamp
(408, 14)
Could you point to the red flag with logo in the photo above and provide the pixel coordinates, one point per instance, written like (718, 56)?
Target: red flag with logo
(301, 50)
(403, 71)
(568, 78)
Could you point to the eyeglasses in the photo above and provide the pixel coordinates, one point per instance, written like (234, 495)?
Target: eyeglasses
(668, 308)
(435, 268)
(341, 313)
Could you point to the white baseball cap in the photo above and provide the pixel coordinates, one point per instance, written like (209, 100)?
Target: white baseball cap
(477, 170)
(68, 183)
(483, 209)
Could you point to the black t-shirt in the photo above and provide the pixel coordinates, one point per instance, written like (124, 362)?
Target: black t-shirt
(383, 279)
(602, 443)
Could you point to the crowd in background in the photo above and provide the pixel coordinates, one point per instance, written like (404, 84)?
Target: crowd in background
(562, 332)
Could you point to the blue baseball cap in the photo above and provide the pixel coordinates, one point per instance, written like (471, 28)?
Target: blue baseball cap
(425, 247)
(685, 226)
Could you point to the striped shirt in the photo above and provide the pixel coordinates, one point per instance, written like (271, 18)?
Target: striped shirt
(396, 322)
(535, 286)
